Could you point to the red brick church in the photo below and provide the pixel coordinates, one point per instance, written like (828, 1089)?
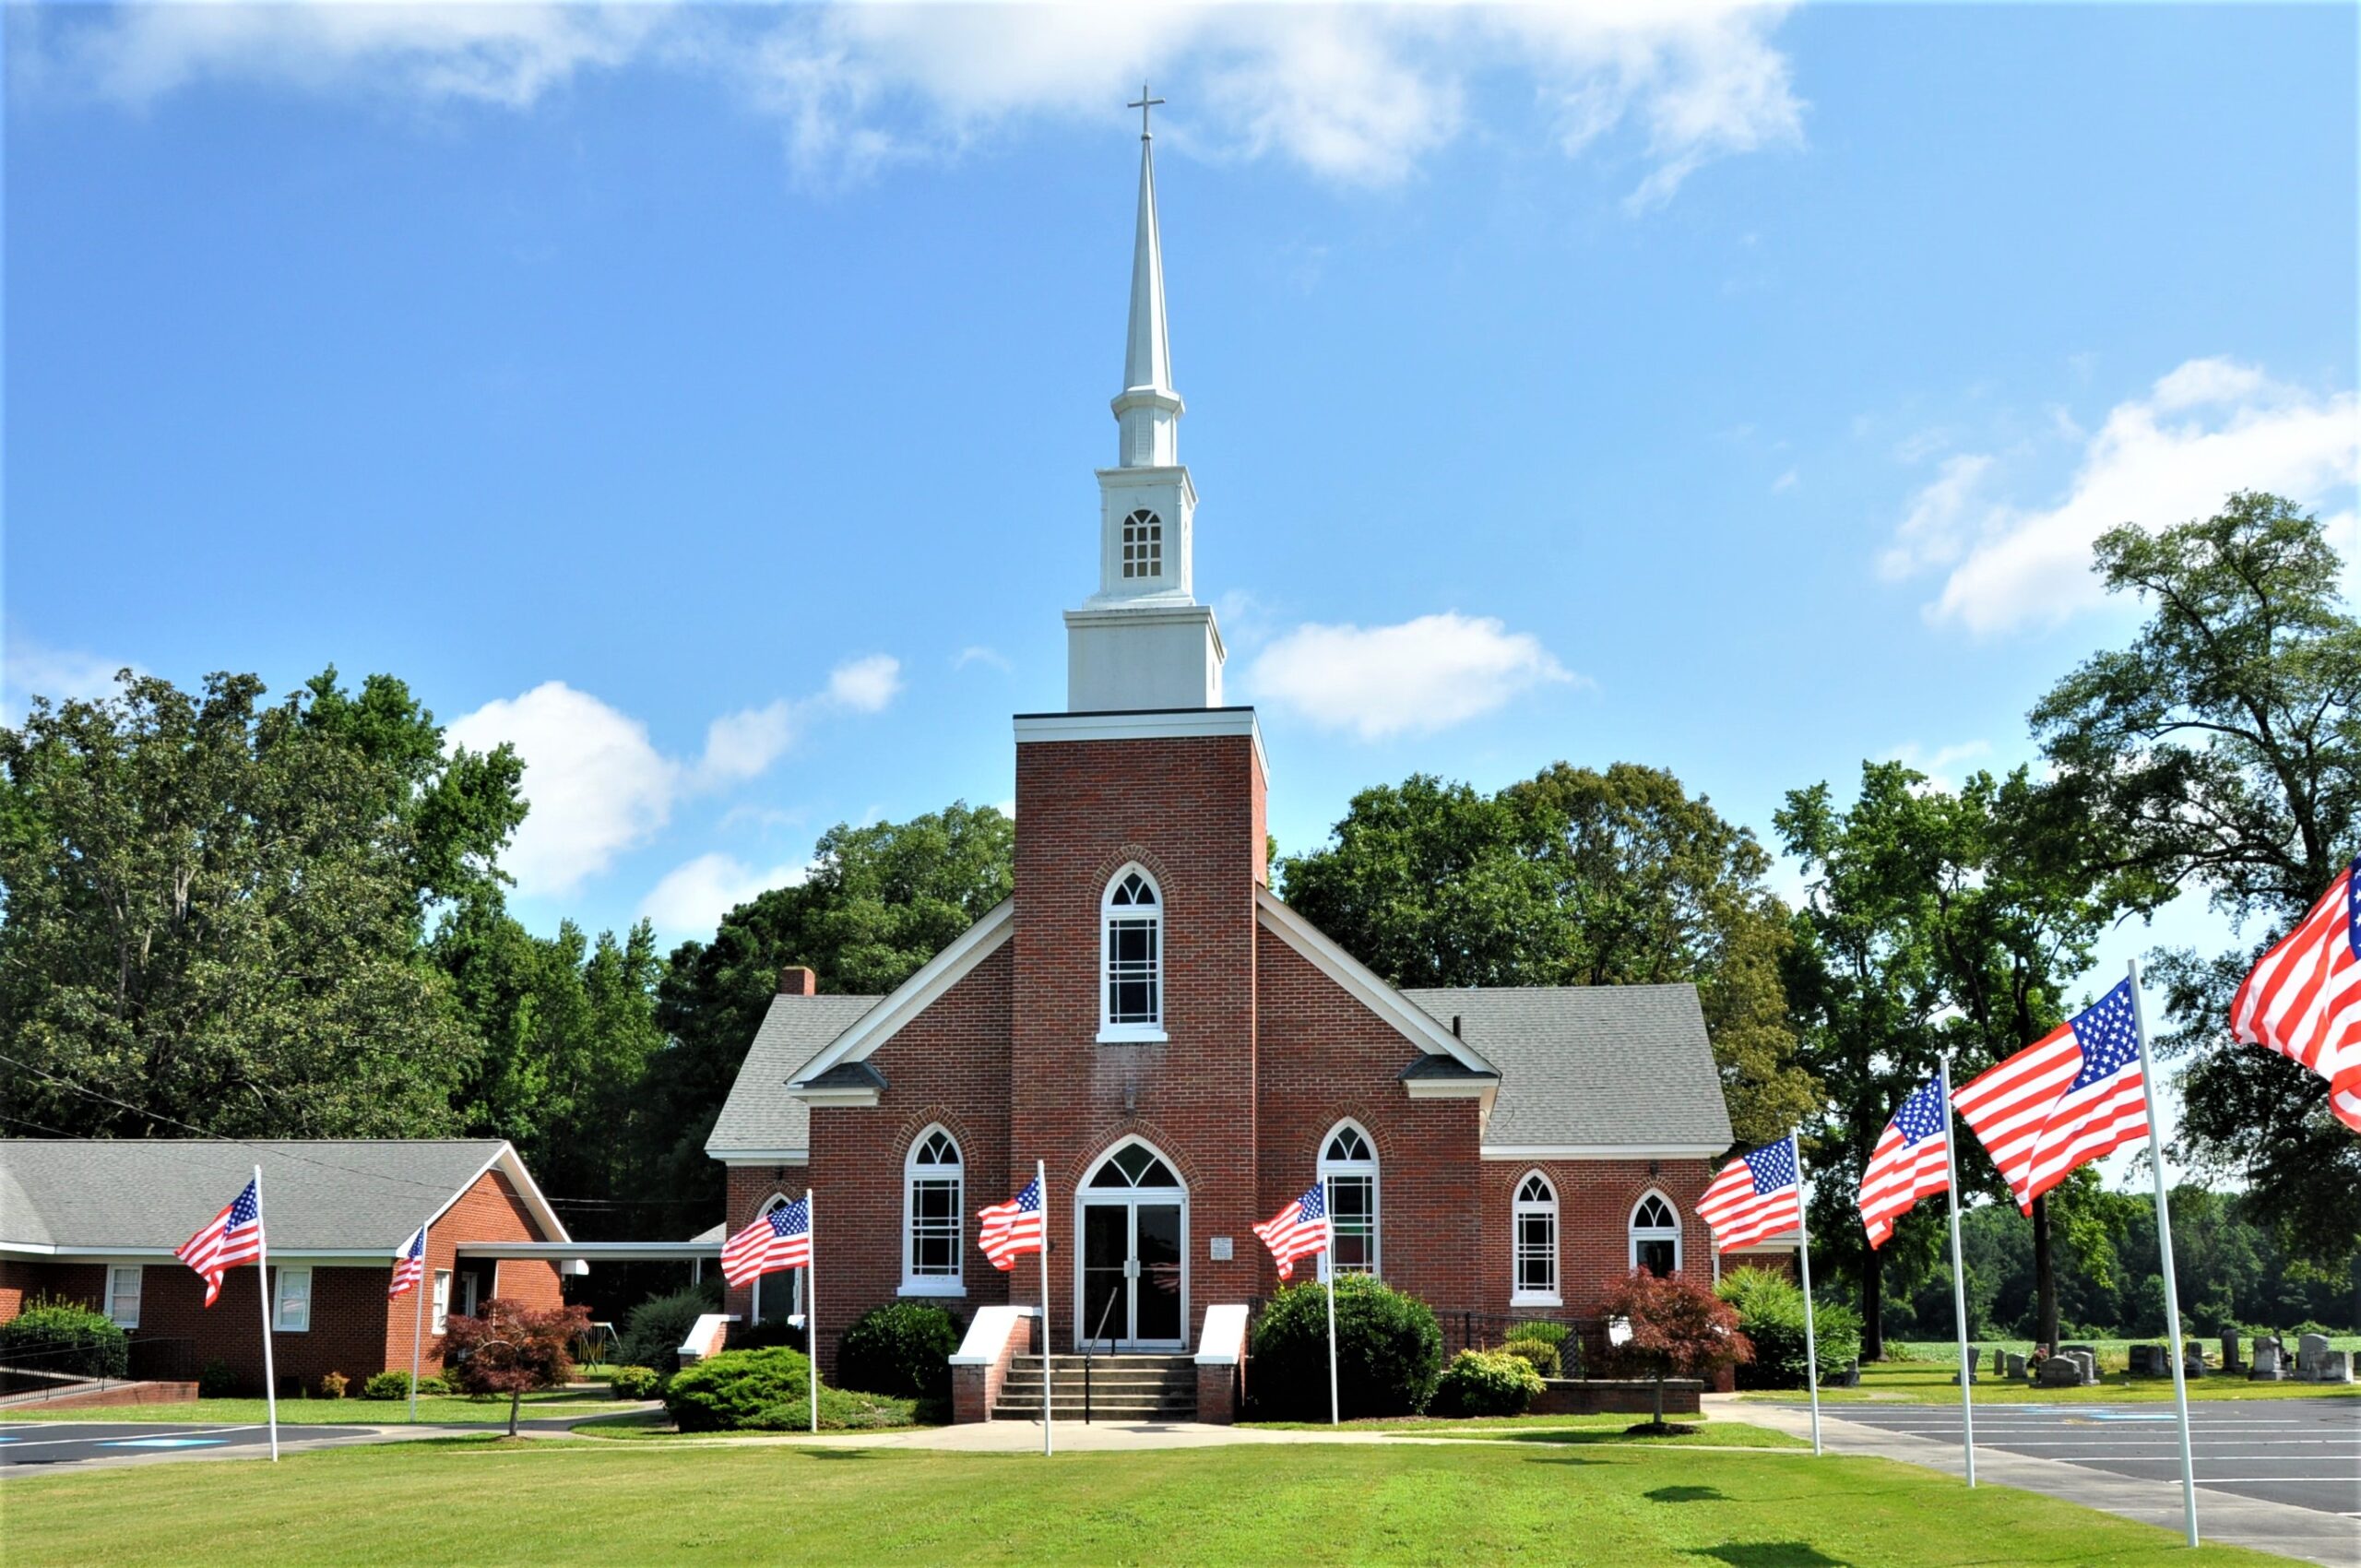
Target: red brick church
(1184, 1051)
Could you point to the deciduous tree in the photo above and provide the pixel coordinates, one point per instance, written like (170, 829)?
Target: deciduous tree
(513, 1349)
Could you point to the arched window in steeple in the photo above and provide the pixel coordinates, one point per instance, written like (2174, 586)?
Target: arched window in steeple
(1131, 956)
(1143, 544)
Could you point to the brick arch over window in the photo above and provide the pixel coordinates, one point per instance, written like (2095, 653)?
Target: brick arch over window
(1125, 854)
(1100, 1144)
(928, 1116)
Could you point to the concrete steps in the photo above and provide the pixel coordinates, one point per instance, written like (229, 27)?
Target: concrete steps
(1121, 1388)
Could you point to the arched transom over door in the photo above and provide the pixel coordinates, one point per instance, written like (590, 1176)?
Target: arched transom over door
(1131, 1285)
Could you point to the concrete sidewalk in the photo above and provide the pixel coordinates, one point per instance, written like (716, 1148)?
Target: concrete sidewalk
(2303, 1533)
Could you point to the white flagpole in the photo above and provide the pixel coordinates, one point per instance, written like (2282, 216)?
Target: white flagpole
(1049, 1371)
(418, 1317)
(1959, 1278)
(811, 1303)
(1328, 1266)
(262, 1289)
(1803, 1234)
(2164, 1247)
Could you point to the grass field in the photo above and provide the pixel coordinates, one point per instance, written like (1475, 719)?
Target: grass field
(1561, 1430)
(1924, 1382)
(447, 1410)
(557, 1502)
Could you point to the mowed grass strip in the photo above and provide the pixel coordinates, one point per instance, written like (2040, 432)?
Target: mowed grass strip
(487, 1501)
(1929, 1382)
(432, 1409)
(1560, 1428)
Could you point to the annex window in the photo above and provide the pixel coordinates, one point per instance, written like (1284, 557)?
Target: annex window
(442, 1300)
(778, 1295)
(1132, 956)
(935, 1226)
(1143, 544)
(1533, 1219)
(1656, 1236)
(1348, 1165)
(122, 1296)
(293, 1312)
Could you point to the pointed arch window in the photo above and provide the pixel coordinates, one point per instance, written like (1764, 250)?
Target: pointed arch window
(1143, 544)
(1132, 957)
(1348, 1164)
(1533, 1224)
(777, 1296)
(934, 1222)
(1656, 1236)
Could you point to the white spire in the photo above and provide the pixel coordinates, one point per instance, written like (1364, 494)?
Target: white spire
(1147, 409)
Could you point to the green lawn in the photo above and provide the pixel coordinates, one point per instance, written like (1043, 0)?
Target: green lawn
(1562, 1429)
(1925, 1382)
(434, 1407)
(487, 1501)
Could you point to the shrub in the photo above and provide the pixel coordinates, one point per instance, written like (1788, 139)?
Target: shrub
(216, 1381)
(903, 1348)
(510, 1348)
(634, 1383)
(386, 1386)
(1541, 1356)
(332, 1384)
(67, 1338)
(1771, 1314)
(763, 1335)
(653, 1332)
(1487, 1382)
(769, 1390)
(1389, 1351)
(1675, 1327)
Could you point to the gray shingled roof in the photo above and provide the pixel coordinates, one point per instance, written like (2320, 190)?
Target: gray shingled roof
(317, 1196)
(1592, 1064)
(760, 1113)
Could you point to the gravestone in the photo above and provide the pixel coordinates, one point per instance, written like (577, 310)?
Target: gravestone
(2016, 1367)
(1975, 1374)
(2060, 1372)
(2266, 1362)
(1850, 1377)
(2088, 1360)
(2230, 1361)
(2001, 1362)
(2152, 1361)
(2192, 1362)
(2308, 1350)
(2335, 1366)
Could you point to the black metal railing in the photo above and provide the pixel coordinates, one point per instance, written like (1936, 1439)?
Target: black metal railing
(1095, 1333)
(1581, 1343)
(51, 1370)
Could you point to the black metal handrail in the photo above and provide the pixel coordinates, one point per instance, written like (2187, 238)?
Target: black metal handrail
(48, 1367)
(1086, 1345)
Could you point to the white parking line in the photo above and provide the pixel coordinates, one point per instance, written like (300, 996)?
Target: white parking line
(120, 1437)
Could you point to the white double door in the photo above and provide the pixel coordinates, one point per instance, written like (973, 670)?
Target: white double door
(1133, 1292)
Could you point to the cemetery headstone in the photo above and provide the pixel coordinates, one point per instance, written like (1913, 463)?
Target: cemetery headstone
(2230, 1361)
(2335, 1366)
(2308, 1350)
(2266, 1361)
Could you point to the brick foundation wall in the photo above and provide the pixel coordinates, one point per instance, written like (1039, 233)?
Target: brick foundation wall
(1604, 1396)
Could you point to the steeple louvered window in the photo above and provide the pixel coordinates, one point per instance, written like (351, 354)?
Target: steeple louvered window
(1143, 544)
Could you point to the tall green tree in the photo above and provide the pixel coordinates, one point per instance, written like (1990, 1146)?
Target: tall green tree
(880, 902)
(212, 915)
(2221, 751)
(1573, 877)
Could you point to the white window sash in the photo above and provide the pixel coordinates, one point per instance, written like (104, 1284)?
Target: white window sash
(442, 1300)
(292, 1313)
(116, 1294)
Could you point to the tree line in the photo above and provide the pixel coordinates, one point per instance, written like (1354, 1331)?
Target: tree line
(255, 919)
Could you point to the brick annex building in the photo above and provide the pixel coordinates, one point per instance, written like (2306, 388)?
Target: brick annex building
(1184, 1051)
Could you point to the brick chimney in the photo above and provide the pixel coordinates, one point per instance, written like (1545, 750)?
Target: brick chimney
(794, 980)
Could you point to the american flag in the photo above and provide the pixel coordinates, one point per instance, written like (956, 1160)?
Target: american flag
(228, 1239)
(1757, 1195)
(781, 1239)
(2304, 1000)
(409, 1264)
(1909, 1162)
(1007, 1231)
(1297, 1232)
(2064, 1100)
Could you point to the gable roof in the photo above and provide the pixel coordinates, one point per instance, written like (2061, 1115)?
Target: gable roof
(1592, 1070)
(761, 1119)
(922, 990)
(135, 1194)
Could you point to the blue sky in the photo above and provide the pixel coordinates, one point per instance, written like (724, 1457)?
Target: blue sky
(706, 400)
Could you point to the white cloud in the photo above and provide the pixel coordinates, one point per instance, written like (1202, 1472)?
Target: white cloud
(865, 686)
(598, 785)
(743, 744)
(978, 653)
(693, 896)
(1359, 95)
(29, 669)
(1788, 481)
(2210, 427)
(1422, 675)
(1936, 764)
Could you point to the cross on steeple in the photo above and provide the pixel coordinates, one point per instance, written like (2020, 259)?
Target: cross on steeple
(1144, 104)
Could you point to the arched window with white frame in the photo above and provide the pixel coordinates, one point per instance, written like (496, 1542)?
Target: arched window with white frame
(777, 1296)
(1656, 1235)
(1348, 1165)
(1534, 1223)
(1132, 958)
(934, 1223)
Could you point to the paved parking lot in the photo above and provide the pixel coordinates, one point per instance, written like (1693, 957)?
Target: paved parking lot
(2304, 1451)
(28, 1445)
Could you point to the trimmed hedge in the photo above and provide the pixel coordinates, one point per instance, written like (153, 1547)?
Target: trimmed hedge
(68, 1338)
(395, 1385)
(634, 1383)
(769, 1390)
(1487, 1383)
(903, 1348)
(1539, 1354)
(1771, 1313)
(1389, 1352)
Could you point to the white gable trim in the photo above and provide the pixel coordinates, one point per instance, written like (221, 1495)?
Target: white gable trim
(1600, 1151)
(509, 1160)
(1362, 983)
(913, 997)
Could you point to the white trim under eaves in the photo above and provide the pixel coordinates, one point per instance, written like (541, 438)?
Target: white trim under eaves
(1363, 984)
(508, 1159)
(763, 1156)
(1600, 1151)
(913, 997)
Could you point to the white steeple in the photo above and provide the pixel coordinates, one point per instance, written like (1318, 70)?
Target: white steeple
(1142, 641)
